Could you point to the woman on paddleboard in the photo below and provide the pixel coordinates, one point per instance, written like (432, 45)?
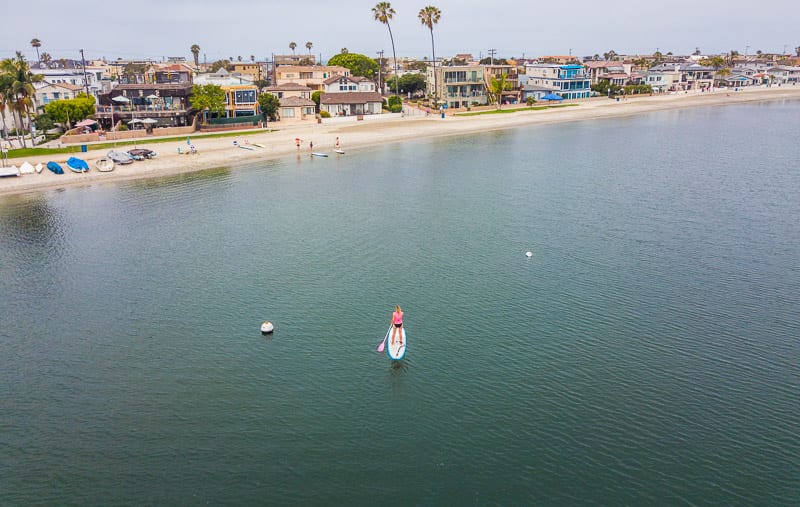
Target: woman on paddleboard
(397, 321)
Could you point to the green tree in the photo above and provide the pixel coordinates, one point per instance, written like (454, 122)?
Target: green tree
(20, 95)
(383, 12)
(359, 65)
(292, 45)
(412, 83)
(316, 97)
(429, 16)
(269, 104)
(219, 64)
(493, 61)
(6, 96)
(36, 43)
(394, 104)
(496, 88)
(46, 59)
(208, 98)
(195, 49)
(69, 111)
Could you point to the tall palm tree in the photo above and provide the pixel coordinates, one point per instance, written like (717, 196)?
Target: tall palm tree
(195, 49)
(309, 46)
(292, 45)
(429, 16)
(6, 80)
(46, 58)
(21, 99)
(36, 43)
(383, 12)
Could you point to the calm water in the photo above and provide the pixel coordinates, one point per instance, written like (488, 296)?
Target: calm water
(646, 354)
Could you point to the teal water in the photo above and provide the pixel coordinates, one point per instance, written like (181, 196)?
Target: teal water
(647, 354)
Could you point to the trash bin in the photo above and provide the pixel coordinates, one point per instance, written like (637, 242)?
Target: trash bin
(83, 148)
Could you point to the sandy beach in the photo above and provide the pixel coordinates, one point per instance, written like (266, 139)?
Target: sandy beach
(219, 152)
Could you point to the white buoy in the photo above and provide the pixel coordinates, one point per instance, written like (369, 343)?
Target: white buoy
(267, 327)
(529, 254)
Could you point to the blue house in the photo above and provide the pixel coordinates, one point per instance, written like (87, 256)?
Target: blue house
(569, 81)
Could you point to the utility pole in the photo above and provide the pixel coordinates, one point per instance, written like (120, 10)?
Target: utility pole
(491, 54)
(85, 80)
(380, 66)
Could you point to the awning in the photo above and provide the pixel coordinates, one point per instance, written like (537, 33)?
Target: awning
(120, 98)
(85, 123)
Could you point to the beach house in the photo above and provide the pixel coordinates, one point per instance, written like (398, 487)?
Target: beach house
(459, 86)
(158, 92)
(295, 101)
(570, 81)
(350, 95)
(241, 92)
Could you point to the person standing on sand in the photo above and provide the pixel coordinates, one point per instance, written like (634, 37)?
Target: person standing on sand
(311, 145)
(397, 324)
(297, 141)
(337, 143)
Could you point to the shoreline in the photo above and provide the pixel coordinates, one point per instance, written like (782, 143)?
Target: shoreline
(221, 152)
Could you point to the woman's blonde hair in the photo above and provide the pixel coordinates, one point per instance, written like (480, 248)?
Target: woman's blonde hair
(397, 308)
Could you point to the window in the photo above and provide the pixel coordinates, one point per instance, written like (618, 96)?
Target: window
(309, 110)
(287, 112)
(245, 97)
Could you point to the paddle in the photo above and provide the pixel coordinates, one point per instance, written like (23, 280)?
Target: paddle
(383, 342)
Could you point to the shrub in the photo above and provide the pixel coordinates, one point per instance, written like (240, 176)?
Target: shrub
(324, 114)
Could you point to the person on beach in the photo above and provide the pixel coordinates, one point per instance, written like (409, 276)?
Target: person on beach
(297, 142)
(337, 143)
(311, 145)
(397, 322)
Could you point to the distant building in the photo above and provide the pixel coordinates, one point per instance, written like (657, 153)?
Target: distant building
(690, 76)
(350, 95)
(46, 93)
(295, 101)
(312, 76)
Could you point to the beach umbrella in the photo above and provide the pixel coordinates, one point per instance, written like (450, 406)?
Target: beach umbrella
(120, 98)
(135, 120)
(149, 121)
(85, 123)
(552, 96)
(151, 97)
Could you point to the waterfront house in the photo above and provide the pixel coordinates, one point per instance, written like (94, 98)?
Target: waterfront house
(338, 84)
(241, 93)
(351, 103)
(570, 81)
(784, 74)
(680, 77)
(615, 72)
(459, 86)
(159, 92)
(287, 90)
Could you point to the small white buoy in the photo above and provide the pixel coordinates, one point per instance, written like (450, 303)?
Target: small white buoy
(529, 254)
(267, 327)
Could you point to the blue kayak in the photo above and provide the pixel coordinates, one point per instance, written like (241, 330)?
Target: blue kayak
(77, 165)
(55, 167)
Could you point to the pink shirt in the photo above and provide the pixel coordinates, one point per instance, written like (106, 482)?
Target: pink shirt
(397, 317)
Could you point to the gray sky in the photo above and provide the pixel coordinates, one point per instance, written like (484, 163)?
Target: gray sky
(156, 29)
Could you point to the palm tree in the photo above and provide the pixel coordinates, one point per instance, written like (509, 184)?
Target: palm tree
(253, 58)
(429, 16)
(344, 51)
(21, 89)
(195, 49)
(309, 46)
(46, 59)
(36, 43)
(292, 45)
(383, 12)
(6, 80)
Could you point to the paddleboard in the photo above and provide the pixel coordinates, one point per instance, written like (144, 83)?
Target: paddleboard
(318, 154)
(339, 151)
(259, 145)
(246, 147)
(395, 351)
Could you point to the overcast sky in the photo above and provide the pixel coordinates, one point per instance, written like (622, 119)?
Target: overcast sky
(161, 28)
